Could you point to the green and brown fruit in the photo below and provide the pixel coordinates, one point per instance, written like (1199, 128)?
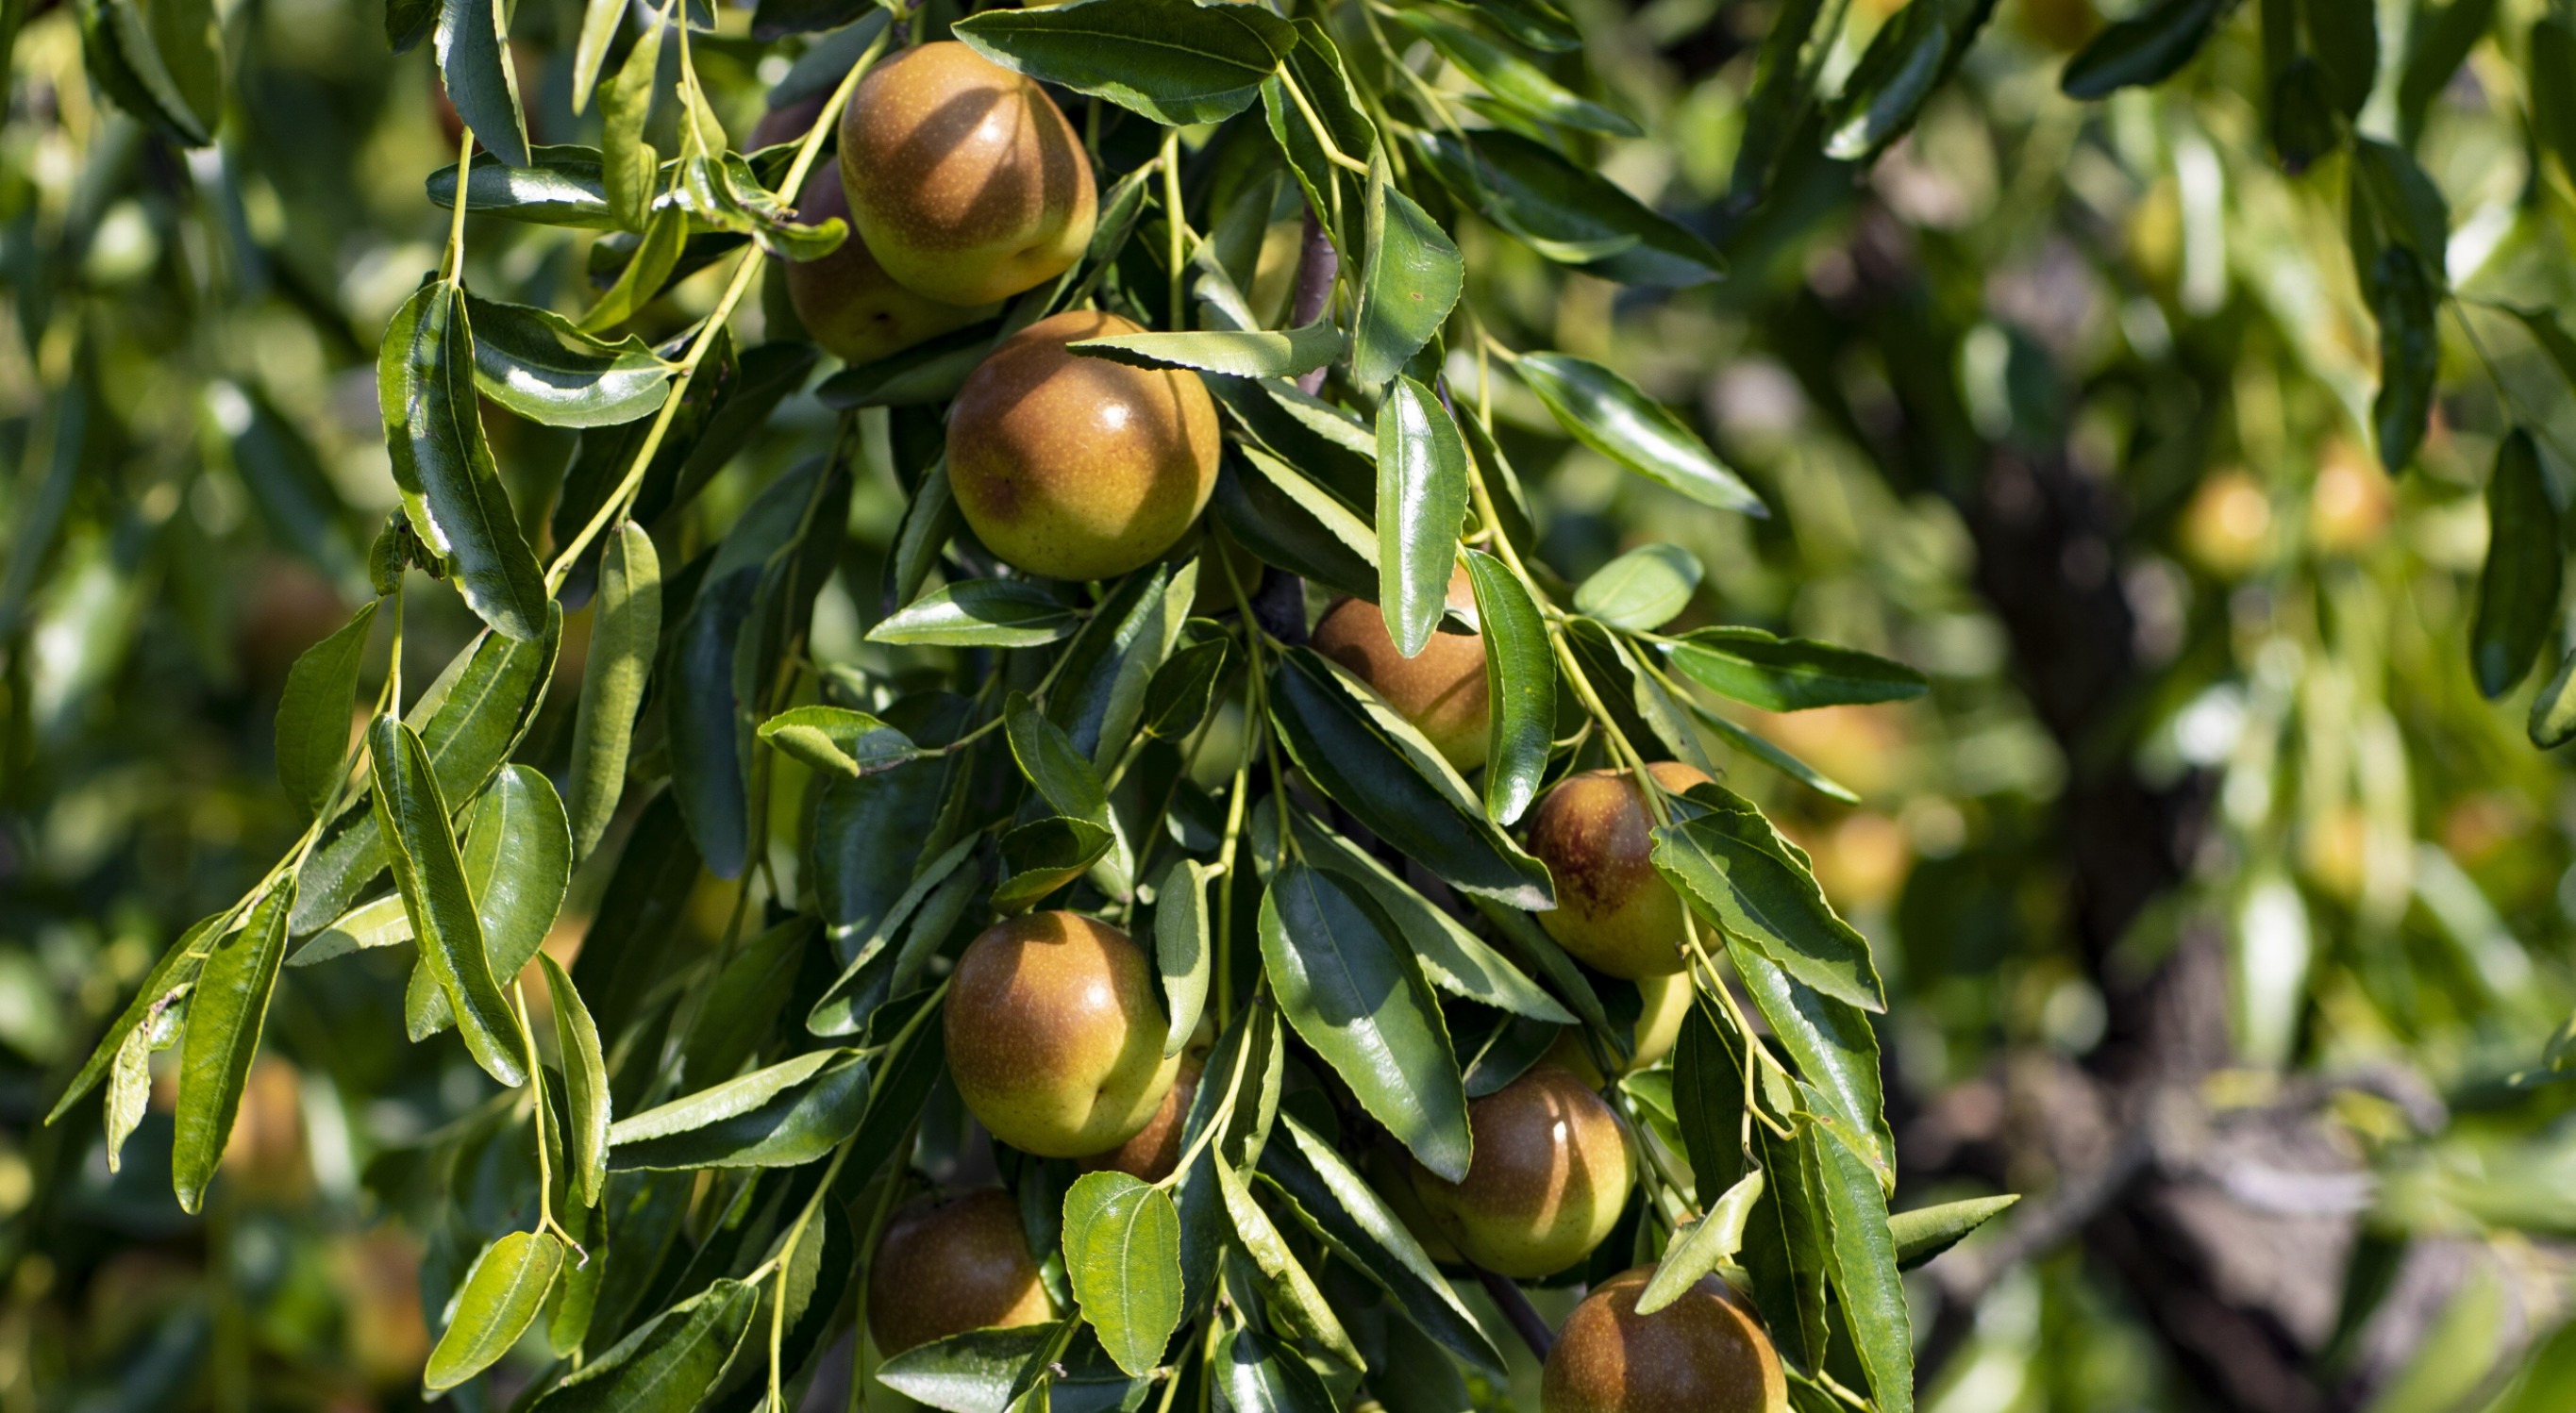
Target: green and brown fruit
(967, 183)
(1074, 467)
(1441, 690)
(1595, 836)
(1153, 1151)
(1550, 1176)
(1704, 1353)
(946, 1268)
(847, 302)
(1055, 1038)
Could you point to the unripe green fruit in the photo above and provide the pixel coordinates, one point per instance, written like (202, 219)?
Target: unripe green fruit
(1704, 1353)
(1079, 468)
(847, 302)
(1549, 1178)
(944, 1269)
(1441, 690)
(968, 184)
(1055, 1038)
(1612, 909)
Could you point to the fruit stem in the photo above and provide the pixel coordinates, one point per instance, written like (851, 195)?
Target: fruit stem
(1524, 1317)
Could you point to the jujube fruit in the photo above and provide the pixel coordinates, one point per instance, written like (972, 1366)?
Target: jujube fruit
(967, 183)
(1074, 467)
(1612, 909)
(1550, 1175)
(847, 302)
(1151, 1152)
(1704, 1353)
(1055, 1038)
(1441, 690)
(1666, 1004)
(946, 1268)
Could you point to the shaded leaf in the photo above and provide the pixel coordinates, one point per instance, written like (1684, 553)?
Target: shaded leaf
(2409, 355)
(2144, 49)
(585, 1088)
(1041, 857)
(625, 632)
(667, 1363)
(1509, 77)
(1171, 60)
(1893, 80)
(1568, 214)
(1520, 685)
(313, 713)
(1181, 950)
(2518, 588)
(1642, 589)
(472, 40)
(1294, 1299)
(1453, 959)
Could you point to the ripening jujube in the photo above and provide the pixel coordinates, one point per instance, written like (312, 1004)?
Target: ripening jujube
(1441, 690)
(1055, 1038)
(1550, 1176)
(1613, 910)
(946, 1268)
(1704, 1353)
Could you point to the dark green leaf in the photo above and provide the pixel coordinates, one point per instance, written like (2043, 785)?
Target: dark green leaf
(1568, 214)
(473, 47)
(838, 740)
(451, 490)
(1790, 674)
(1173, 61)
(1453, 959)
(1864, 1273)
(668, 1363)
(225, 1014)
(1411, 278)
(1181, 949)
(1355, 995)
(625, 632)
(1614, 417)
(1240, 353)
(518, 862)
(585, 1088)
(411, 810)
(1831, 1044)
(1047, 758)
(2145, 49)
(535, 363)
(2437, 43)
(2410, 351)
(1642, 589)
(1316, 66)
(2403, 203)
(557, 186)
(2344, 38)
(925, 373)
(1421, 498)
(1520, 686)
(784, 1116)
(1122, 1251)
(2303, 120)
(1181, 691)
(1926, 1232)
(2518, 589)
(1256, 1375)
(2554, 340)
(1041, 857)
(1736, 871)
(980, 613)
(1102, 687)
(743, 1004)
(313, 714)
(1780, 97)
(975, 1372)
(1509, 77)
(847, 1002)
(499, 1299)
(164, 62)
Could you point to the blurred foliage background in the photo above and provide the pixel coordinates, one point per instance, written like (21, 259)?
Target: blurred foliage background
(2220, 910)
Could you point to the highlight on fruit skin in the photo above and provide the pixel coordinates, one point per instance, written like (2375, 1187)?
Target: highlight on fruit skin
(1055, 1036)
(847, 301)
(945, 1268)
(1550, 1175)
(1079, 468)
(1705, 1353)
(1613, 910)
(965, 180)
(1441, 690)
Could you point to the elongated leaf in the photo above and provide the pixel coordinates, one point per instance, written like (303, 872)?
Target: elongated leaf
(1240, 353)
(412, 811)
(585, 1088)
(473, 46)
(980, 613)
(1047, 758)
(2410, 350)
(1320, 75)
(1103, 684)
(1790, 674)
(313, 715)
(656, 257)
(503, 1291)
(1698, 1249)
(1509, 77)
(381, 923)
(451, 490)
(1771, 755)
(535, 363)
(2518, 589)
(1421, 498)
(1568, 214)
(1453, 959)
(1411, 279)
(518, 862)
(598, 29)
(1257, 1374)
(1374, 764)
(1181, 691)
(225, 1014)
(668, 1363)
(2145, 49)
(781, 1117)
(1926, 1232)
(1520, 685)
(167, 985)
(1832, 1045)
(1893, 80)
(1122, 1251)
(1181, 950)
(1320, 504)
(1612, 416)
(837, 740)
(1358, 998)
(1642, 589)
(1171, 60)
(1735, 870)
(1295, 1301)
(626, 629)
(628, 165)
(1783, 1248)
(1864, 1272)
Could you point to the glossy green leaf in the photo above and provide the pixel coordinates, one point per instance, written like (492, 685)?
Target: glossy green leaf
(381, 923)
(1779, 98)
(1372, 762)
(1520, 686)
(625, 632)
(473, 46)
(1257, 1374)
(1833, 1047)
(1040, 857)
(1926, 1232)
(1646, 709)
(1790, 674)
(518, 862)
(1353, 993)
(1411, 276)
(783, 1116)
(166, 986)
(557, 186)
(2142, 50)
(501, 1295)
(535, 363)
(313, 714)
(1182, 690)
(1421, 499)
(1171, 60)
(1324, 79)
(412, 811)
(1048, 760)
(1122, 1251)
(2404, 205)
(628, 164)
(1104, 686)
(2410, 349)
(1783, 1247)
(1181, 948)
(1453, 959)
(837, 740)
(1736, 871)
(1239, 353)
(1698, 1248)
(1568, 214)
(1294, 1299)
(980, 613)
(1893, 80)
(975, 1372)
(1614, 417)
(1509, 77)
(451, 490)
(2518, 588)
(226, 1011)
(1865, 1276)
(668, 1363)
(585, 1087)
(1643, 589)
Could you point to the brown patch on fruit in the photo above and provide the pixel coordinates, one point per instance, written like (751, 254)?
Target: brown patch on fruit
(1704, 1353)
(946, 1269)
(1441, 691)
(1595, 836)
(1550, 1175)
